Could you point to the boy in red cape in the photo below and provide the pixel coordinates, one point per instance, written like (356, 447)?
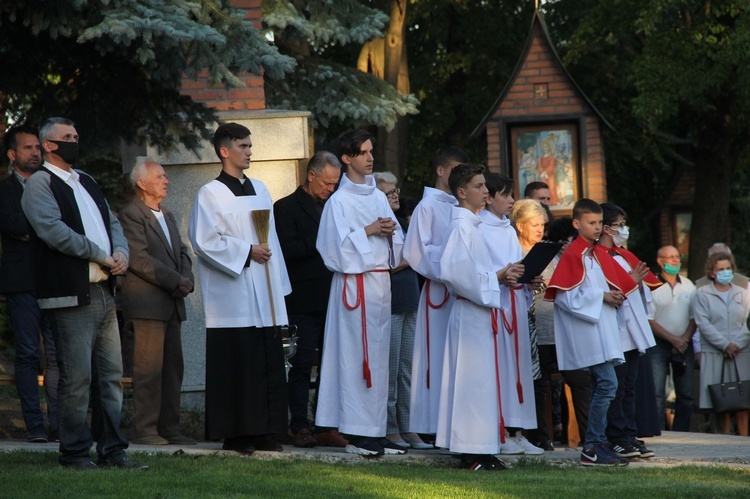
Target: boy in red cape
(587, 287)
(635, 335)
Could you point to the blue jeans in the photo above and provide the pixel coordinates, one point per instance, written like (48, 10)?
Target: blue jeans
(603, 390)
(88, 347)
(621, 425)
(27, 322)
(661, 356)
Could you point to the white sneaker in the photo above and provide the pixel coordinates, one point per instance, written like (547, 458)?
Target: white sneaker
(511, 447)
(528, 447)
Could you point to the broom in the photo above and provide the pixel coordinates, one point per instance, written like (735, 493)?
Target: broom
(261, 221)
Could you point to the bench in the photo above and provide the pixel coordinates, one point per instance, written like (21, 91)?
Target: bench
(9, 379)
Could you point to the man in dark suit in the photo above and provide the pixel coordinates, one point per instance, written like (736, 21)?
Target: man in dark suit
(153, 299)
(297, 221)
(17, 284)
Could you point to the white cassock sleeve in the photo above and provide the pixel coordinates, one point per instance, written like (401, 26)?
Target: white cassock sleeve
(422, 248)
(466, 276)
(348, 250)
(210, 236)
(582, 303)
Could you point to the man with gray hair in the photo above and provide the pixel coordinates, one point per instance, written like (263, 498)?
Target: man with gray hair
(153, 299)
(297, 221)
(79, 249)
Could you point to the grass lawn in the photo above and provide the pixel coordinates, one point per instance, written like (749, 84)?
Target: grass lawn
(36, 474)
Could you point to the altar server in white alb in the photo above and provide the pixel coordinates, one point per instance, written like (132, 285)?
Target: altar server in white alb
(360, 242)
(428, 231)
(470, 418)
(587, 287)
(635, 335)
(519, 411)
(245, 379)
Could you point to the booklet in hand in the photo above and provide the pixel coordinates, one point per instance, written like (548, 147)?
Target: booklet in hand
(537, 260)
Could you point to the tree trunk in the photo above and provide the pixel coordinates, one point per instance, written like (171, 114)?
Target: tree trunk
(391, 146)
(714, 168)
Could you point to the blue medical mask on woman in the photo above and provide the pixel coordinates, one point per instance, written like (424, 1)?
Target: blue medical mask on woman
(724, 277)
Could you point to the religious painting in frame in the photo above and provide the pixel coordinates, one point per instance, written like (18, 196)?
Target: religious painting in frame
(549, 154)
(681, 236)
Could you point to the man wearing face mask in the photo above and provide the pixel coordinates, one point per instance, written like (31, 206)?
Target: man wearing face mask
(79, 248)
(635, 335)
(671, 320)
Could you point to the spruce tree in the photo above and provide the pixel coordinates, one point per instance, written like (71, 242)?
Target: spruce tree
(115, 66)
(336, 93)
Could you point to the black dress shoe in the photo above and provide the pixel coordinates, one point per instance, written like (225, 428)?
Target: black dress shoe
(546, 445)
(304, 439)
(80, 465)
(37, 436)
(239, 444)
(264, 442)
(54, 435)
(122, 462)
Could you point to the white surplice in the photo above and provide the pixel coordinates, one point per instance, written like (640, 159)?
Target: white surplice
(632, 317)
(344, 400)
(586, 328)
(221, 231)
(519, 410)
(469, 414)
(428, 231)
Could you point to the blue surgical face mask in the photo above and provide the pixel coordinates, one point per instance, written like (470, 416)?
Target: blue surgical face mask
(724, 277)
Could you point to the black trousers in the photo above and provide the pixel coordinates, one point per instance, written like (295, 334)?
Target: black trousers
(310, 329)
(245, 382)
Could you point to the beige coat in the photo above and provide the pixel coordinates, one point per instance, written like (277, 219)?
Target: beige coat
(720, 323)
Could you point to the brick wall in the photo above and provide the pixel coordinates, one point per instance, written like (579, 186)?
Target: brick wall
(248, 98)
(542, 90)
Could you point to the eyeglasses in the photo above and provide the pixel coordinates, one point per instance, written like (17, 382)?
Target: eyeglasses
(618, 226)
(394, 193)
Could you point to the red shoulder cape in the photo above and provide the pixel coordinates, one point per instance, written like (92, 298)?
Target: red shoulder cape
(571, 270)
(650, 280)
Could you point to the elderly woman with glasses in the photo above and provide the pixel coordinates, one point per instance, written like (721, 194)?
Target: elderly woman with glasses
(404, 301)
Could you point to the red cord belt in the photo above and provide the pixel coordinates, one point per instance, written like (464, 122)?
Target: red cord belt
(360, 303)
(434, 306)
(512, 329)
(495, 330)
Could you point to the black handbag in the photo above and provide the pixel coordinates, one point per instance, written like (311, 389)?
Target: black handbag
(733, 396)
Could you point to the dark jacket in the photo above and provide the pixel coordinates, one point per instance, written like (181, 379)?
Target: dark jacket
(16, 271)
(62, 251)
(155, 266)
(297, 221)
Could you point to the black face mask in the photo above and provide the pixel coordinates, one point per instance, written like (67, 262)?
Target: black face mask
(68, 151)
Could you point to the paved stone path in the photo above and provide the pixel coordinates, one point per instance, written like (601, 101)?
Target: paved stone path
(671, 448)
